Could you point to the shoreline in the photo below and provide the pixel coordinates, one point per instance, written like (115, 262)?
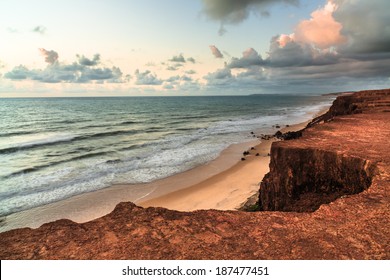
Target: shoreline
(226, 190)
(190, 190)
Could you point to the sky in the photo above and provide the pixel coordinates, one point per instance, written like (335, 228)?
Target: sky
(192, 47)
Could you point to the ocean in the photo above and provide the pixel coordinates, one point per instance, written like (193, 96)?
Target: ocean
(55, 148)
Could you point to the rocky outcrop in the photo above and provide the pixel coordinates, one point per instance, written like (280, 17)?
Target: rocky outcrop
(328, 162)
(349, 154)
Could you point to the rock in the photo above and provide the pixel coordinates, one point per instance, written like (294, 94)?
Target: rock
(253, 148)
(257, 154)
(291, 135)
(242, 159)
(278, 134)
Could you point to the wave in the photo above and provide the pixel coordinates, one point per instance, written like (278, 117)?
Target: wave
(128, 122)
(55, 140)
(109, 124)
(16, 133)
(107, 134)
(37, 143)
(43, 166)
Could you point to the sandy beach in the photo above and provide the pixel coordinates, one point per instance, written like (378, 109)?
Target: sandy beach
(227, 190)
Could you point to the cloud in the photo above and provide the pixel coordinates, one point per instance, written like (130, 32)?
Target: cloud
(179, 61)
(178, 58)
(191, 59)
(82, 71)
(216, 52)
(190, 72)
(172, 68)
(351, 27)
(89, 62)
(332, 49)
(365, 24)
(51, 57)
(287, 53)
(219, 77)
(40, 29)
(180, 82)
(146, 78)
(322, 30)
(233, 11)
(12, 30)
(168, 86)
(18, 73)
(222, 30)
(249, 58)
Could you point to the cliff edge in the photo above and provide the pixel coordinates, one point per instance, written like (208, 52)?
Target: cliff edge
(334, 180)
(340, 153)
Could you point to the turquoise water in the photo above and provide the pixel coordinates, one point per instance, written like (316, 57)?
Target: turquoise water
(54, 148)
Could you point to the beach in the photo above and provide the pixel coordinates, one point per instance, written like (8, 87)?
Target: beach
(225, 183)
(227, 190)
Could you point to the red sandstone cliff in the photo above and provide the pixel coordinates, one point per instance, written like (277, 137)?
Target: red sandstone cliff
(331, 160)
(348, 153)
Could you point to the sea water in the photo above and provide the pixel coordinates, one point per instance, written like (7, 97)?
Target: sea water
(55, 148)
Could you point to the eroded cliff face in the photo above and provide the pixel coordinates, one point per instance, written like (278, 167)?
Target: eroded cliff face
(341, 155)
(302, 179)
(327, 162)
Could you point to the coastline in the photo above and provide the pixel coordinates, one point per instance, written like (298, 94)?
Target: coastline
(346, 166)
(225, 183)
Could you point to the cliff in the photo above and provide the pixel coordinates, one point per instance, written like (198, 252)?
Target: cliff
(336, 158)
(337, 175)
